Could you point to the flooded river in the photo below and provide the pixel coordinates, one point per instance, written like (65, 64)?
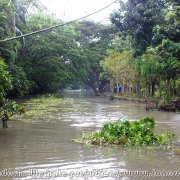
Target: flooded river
(44, 150)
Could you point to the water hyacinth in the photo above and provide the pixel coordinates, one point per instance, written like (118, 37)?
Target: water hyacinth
(42, 108)
(124, 132)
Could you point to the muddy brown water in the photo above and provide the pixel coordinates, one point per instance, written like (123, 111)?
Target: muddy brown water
(44, 150)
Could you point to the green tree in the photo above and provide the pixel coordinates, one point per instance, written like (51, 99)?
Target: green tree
(119, 65)
(168, 28)
(10, 50)
(152, 30)
(136, 19)
(94, 40)
(150, 70)
(48, 58)
(7, 107)
(169, 52)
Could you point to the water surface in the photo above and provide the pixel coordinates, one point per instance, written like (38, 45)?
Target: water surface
(44, 150)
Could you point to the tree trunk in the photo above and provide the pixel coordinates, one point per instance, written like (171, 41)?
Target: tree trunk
(117, 86)
(96, 91)
(138, 88)
(174, 88)
(153, 87)
(168, 88)
(122, 88)
(146, 88)
(102, 86)
(95, 88)
(149, 89)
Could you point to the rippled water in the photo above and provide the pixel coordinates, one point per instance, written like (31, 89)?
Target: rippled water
(44, 150)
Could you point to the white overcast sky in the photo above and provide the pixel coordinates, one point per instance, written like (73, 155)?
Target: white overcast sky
(72, 9)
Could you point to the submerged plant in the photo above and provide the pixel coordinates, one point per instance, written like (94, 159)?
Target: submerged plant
(124, 132)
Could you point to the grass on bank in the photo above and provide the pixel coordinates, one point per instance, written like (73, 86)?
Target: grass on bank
(124, 132)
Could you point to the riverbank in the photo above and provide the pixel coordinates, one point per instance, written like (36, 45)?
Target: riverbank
(128, 98)
(170, 107)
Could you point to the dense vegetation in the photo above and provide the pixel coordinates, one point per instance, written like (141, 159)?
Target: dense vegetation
(149, 31)
(124, 132)
(139, 50)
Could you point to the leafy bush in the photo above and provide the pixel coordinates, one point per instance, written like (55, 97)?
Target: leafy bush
(5, 79)
(7, 107)
(123, 132)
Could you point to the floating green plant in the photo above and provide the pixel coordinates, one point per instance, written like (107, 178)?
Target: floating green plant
(41, 108)
(124, 132)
